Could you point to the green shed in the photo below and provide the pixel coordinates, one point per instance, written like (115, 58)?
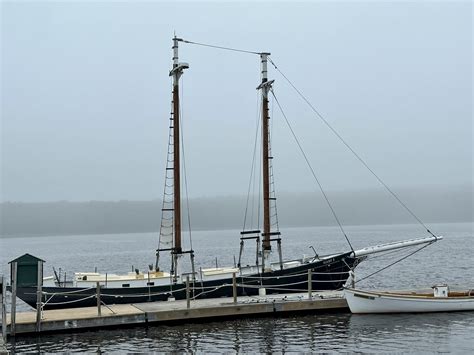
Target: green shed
(26, 270)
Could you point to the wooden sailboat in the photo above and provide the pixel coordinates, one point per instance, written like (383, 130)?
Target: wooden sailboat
(440, 300)
(330, 271)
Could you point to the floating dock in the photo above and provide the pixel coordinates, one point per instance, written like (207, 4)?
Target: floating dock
(182, 311)
(3, 348)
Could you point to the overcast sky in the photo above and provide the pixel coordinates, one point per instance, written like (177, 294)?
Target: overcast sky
(86, 95)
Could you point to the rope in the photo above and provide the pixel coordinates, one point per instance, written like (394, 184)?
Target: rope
(163, 226)
(110, 309)
(205, 292)
(260, 187)
(395, 262)
(181, 116)
(290, 284)
(312, 171)
(252, 171)
(272, 182)
(219, 47)
(67, 292)
(144, 294)
(353, 151)
(43, 304)
(67, 302)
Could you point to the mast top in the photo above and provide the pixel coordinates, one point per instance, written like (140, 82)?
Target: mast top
(265, 84)
(177, 66)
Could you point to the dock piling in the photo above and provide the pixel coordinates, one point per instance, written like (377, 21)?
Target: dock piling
(39, 293)
(188, 300)
(14, 266)
(3, 301)
(310, 284)
(99, 311)
(234, 287)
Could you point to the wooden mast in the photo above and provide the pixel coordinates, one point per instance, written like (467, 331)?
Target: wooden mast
(176, 73)
(265, 86)
(176, 155)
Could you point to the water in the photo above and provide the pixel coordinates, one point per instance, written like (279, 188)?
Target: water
(448, 261)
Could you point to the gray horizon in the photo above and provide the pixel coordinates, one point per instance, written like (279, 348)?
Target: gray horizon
(218, 213)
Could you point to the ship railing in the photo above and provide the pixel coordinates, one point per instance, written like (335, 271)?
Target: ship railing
(146, 294)
(293, 275)
(270, 287)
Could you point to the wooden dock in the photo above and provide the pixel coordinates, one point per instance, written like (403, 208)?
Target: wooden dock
(72, 319)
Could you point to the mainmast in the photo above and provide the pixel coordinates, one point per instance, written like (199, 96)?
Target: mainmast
(265, 86)
(176, 73)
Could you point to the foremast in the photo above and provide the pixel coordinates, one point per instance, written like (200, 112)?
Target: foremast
(177, 250)
(170, 233)
(176, 73)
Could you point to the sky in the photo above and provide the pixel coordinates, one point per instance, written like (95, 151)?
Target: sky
(85, 95)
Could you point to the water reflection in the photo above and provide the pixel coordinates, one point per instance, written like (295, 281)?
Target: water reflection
(443, 332)
(316, 333)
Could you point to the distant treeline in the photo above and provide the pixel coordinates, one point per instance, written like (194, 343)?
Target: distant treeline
(353, 208)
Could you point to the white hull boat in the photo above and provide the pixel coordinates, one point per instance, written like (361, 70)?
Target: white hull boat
(440, 300)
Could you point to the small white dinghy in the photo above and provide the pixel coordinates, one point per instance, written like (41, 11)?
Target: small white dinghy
(440, 300)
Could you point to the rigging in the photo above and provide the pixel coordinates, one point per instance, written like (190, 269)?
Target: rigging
(252, 177)
(219, 47)
(395, 262)
(333, 130)
(328, 202)
(181, 118)
(320, 116)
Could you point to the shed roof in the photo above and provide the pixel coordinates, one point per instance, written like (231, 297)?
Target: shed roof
(26, 256)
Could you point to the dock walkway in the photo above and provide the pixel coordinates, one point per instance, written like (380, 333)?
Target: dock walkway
(61, 320)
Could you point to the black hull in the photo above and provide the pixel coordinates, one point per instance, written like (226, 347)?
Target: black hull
(330, 274)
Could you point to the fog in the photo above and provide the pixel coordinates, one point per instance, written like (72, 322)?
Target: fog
(85, 102)
(295, 210)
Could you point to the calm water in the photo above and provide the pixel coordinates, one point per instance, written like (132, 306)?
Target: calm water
(448, 261)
